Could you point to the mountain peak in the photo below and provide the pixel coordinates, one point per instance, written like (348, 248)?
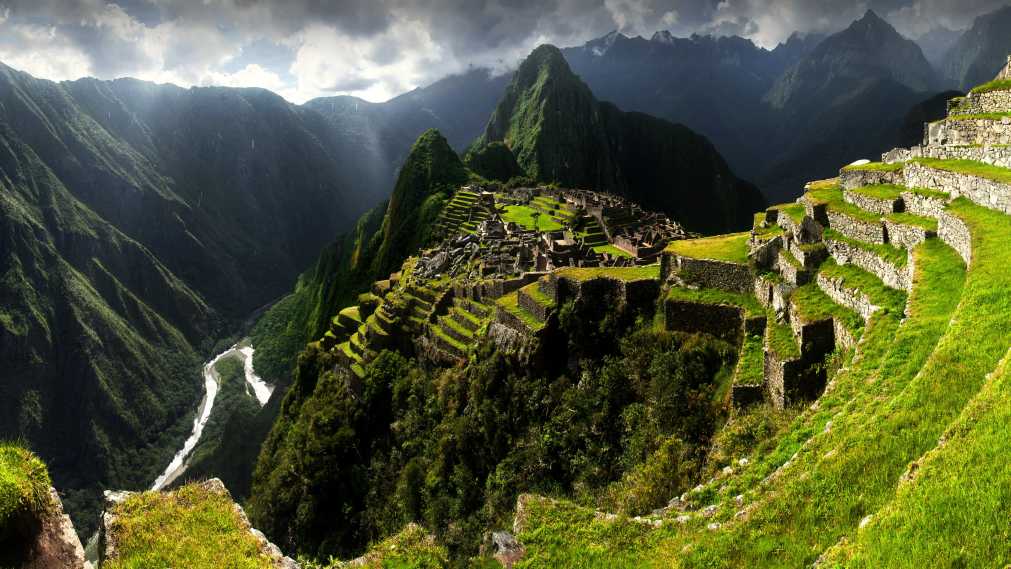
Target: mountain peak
(663, 36)
(872, 22)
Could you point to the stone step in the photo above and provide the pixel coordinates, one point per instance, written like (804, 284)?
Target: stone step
(350, 318)
(820, 323)
(424, 293)
(447, 343)
(509, 313)
(474, 308)
(534, 301)
(357, 344)
(465, 319)
(998, 101)
(888, 263)
(871, 174)
(858, 290)
(999, 156)
(455, 330)
(881, 199)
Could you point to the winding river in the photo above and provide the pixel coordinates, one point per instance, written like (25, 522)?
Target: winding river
(255, 386)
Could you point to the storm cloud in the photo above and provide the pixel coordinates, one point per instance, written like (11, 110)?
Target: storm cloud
(379, 48)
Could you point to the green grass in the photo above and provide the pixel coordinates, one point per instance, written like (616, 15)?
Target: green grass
(731, 248)
(876, 167)
(795, 211)
(412, 548)
(437, 329)
(995, 85)
(638, 273)
(715, 296)
(891, 402)
(928, 223)
(811, 304)
(979, 116)
(824, 193)
(612, 250)
(880, 192)
(891, 254)
(524, 216)
(969, 167)
(928, 193)
(857, 278)
(781, 339)
(533, 290)
(24, 483)
(510, 303)
(751, 362)
(189, 527)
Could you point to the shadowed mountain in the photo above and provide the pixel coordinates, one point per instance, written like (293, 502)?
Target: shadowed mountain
(559, 132)
(981, 51)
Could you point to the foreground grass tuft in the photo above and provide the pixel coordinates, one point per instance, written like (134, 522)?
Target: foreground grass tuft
(190, 527)
(731, 248)
(24, 483)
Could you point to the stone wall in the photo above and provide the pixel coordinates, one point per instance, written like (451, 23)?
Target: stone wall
(871, 232)
(851, 298)
(788, 380)
(773, 294)
(851, 179)
(917, 204)
(793, 274)
(707, 273)
(985, 192)
(953, 231)
(995, 155)
(809, 257)
(765, 253)
(906, 236)
(890, 274)
(989, 102)
(528, 303)
(815, 338)
(969, 131)
(724, 322)
(868, 203)
(844, 339)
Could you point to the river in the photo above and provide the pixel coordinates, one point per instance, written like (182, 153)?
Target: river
(255, 386)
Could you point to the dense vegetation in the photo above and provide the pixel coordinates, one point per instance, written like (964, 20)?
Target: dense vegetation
(627, 426)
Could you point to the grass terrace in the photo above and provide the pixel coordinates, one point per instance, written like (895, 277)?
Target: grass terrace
(719, 297)
(794, 210)
(612, 250)
(996, 85)
(751, 362)
(969, 167)
(929, 193)
(189, 527)
(510, 303)
(811, 304)
(524, 216)
(875, 167)
(855, 277)
(731, 248)
(644, 272)
(24, 483)
(890, 253)
(880, 192)
(928, 223)
(781, 340)
(979, 116)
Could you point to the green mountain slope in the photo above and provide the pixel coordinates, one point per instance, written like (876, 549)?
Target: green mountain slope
(140, 224)
(559, 132)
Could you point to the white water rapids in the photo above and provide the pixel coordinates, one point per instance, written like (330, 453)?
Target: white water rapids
(260, 389)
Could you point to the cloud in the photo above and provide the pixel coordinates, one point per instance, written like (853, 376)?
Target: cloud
(379, 48)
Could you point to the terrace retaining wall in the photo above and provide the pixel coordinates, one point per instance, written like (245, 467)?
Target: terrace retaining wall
(890, 274)
(984, 191)
(707, 273)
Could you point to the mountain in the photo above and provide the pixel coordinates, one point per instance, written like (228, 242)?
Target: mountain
(936, 43)
(711, 85)
(929, 110)
(380, 135)
(843, 64)
(981, 51)
(141, 224)
(559, 132)
(842, 101)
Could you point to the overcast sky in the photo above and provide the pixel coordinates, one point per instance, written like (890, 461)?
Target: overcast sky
(377, 49)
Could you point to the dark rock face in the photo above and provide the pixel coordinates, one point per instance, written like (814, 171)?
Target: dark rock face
(44, 541)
